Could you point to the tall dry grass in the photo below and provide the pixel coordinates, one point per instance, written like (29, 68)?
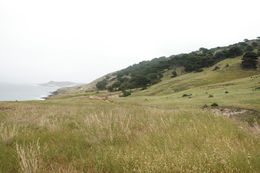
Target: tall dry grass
(7, 132)
(97, 136)
(29, 157)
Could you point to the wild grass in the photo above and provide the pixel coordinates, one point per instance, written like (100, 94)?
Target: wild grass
(100, 136)
(140, 133)
(7, 133)
(29, 157)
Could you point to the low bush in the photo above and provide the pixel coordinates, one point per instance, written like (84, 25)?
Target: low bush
(216, 68)
(214, 104)
(186, 95)
(126, 93)
(174, 74)
(199, 70)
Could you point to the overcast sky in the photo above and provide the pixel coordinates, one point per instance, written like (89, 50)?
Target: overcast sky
(81, 40)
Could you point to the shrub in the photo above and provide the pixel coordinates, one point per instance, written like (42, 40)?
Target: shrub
(144, 88)
(227, 65)
(214, 104)
(211, 95)
(126, 93)
(216, 68)
(199, 70)
(174, 74)
(226, 92)
(186, 95)
(250, 119)
(257, 88)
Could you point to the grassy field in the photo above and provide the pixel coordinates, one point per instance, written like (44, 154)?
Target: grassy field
(155, 130)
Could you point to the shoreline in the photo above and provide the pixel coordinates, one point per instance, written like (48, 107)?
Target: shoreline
(53, 93)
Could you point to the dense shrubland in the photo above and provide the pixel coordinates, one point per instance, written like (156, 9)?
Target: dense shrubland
(147, 73)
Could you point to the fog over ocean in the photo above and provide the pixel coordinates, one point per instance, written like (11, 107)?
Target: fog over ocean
(22, 92)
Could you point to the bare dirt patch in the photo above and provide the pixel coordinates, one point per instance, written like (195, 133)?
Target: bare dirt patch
(229, 112)
(252, 117)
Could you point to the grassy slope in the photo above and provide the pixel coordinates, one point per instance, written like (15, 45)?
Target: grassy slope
(161, 133)
(240, 84)
(207, 77)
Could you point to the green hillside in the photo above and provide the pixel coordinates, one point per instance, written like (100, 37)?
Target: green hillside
(229, 69)
(205, 120)
(148, 73)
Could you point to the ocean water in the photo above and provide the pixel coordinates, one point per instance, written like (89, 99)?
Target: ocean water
(19, 92)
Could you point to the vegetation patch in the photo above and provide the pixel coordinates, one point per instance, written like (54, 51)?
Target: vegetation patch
(126, 93)
(214, 105)
(257, 88)
(250, 60)
(216, 68)
(147, 73)
(186, 95)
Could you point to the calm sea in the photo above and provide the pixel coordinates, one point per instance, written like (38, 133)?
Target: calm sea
(13, 92)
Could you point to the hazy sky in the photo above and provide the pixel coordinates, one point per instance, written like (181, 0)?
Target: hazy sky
(80, 40)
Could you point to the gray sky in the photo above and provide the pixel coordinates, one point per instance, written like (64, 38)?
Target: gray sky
(81, 40)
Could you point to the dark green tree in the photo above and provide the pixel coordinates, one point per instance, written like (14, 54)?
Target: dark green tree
(249, 48)
(254, 44)
(249, 60)
(234, 52)
(116, 85)
(102, 84)
(203, 50)
(140, 81)
(221, 55)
